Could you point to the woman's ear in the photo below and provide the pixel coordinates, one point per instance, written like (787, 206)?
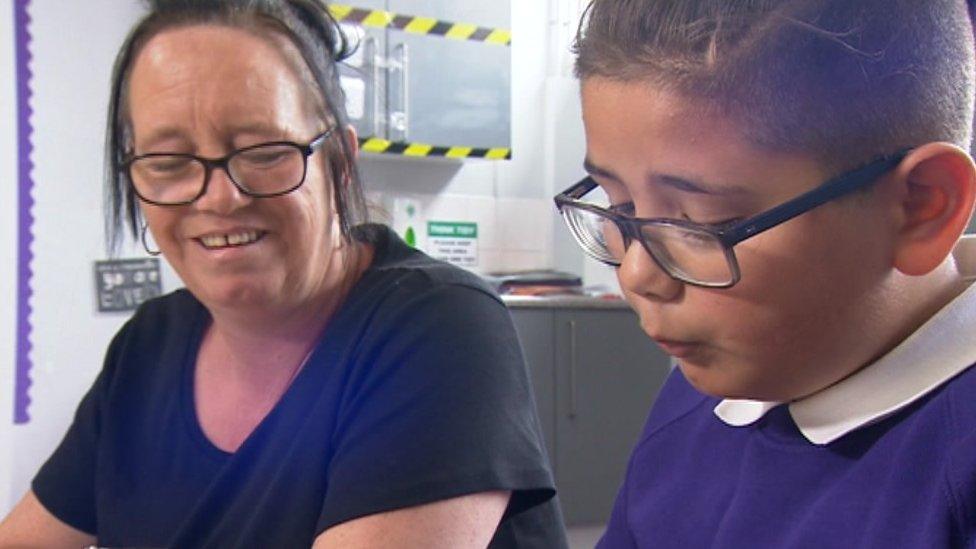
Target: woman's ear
(935, 206)
(352, 139)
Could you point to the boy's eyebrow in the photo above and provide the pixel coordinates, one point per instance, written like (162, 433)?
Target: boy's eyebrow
(680, 183)
(593, 169)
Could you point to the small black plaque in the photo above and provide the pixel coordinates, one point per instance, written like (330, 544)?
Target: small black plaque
(123, 284)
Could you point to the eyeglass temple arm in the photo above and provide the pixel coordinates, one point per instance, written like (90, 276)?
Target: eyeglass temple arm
(315, 143)
(806, 202)
(577, 191)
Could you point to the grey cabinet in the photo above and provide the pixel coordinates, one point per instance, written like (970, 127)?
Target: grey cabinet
(418, 80)
(535, 331)
(596, 376)
(457, 92)
(362, 75)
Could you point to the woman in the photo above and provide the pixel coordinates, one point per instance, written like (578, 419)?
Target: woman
(317, 382)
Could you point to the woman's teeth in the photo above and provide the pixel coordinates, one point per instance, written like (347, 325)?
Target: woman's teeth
(228, 240)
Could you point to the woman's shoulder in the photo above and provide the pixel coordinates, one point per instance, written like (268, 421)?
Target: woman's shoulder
(160, 332)
(177, 307)
(158, 321)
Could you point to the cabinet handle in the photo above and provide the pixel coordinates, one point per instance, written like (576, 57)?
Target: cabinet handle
(400, 118)
(370, 51)
(572, 369)
(405, 92)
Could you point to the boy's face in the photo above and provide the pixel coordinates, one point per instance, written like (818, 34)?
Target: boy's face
(813, 298)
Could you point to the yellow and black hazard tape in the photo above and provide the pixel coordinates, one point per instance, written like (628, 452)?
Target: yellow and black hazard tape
(420, 25)
(421, 150)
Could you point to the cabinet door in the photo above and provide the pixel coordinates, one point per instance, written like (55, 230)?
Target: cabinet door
(451, 92)
(363, 75)
(534, 328)
(608, 373)
(484, 14)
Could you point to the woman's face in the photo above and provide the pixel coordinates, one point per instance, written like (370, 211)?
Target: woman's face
(209, 90)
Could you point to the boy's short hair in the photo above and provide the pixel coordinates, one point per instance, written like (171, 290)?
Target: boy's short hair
(841, 81)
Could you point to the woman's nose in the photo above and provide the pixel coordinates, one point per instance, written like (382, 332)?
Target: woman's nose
(221, 195)
(639, 274)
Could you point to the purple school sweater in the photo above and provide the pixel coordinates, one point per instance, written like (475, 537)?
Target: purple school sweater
(908, 480)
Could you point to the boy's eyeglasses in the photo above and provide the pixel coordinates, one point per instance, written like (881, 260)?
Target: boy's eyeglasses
(695, 253)
(263, 170)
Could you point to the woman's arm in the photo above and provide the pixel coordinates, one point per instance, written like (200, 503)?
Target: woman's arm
(31, 525)
(458, 523)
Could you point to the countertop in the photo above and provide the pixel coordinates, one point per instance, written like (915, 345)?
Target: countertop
(562, 302)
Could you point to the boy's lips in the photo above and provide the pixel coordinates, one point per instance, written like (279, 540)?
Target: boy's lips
(679, 346)
(677, 349)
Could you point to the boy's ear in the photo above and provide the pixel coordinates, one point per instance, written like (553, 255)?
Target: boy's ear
(935, 206)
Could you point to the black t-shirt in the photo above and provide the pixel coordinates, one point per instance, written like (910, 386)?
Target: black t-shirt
(416, 392)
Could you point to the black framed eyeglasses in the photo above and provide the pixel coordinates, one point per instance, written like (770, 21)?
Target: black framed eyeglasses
(261, 171)
(695, 253)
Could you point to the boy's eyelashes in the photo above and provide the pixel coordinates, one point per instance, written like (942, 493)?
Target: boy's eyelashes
(628, 209)
(622, 204)
(623, 208)
(720, 224)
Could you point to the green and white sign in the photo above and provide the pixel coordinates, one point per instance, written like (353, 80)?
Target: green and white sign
(453, 241)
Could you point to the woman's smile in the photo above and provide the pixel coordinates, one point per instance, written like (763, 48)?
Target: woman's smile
(232, 248)
(230, 240)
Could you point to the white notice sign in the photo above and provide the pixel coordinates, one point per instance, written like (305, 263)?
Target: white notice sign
(453, 241)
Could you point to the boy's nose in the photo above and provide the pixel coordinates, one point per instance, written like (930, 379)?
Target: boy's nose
(640, 274)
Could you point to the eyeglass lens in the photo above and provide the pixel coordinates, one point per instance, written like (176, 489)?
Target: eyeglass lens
(686, 253)
(173, 179)
(689, 254)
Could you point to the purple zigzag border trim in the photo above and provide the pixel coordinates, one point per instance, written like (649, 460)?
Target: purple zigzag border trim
(22, 381)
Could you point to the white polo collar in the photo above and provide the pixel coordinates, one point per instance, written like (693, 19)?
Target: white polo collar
(940, 349)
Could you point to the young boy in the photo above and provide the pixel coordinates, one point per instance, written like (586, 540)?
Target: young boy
(786, 185)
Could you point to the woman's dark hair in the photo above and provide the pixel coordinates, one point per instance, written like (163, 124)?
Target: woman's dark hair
(306, 24)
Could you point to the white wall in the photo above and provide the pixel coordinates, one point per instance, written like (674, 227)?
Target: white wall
(73, 47)
(8, 248)
(565, 143)
(510, 200)
(513, 199)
